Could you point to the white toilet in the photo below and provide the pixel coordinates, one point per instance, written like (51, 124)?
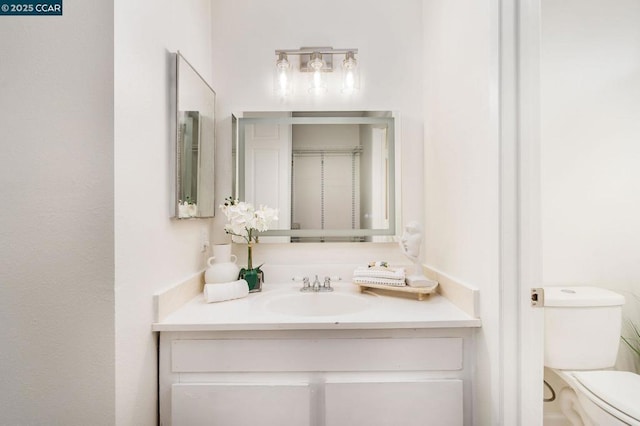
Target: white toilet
(582, 336)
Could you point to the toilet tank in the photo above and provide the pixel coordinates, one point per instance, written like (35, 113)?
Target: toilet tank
(581, 327)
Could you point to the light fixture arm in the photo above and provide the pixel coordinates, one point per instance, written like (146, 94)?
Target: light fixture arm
(321, 50)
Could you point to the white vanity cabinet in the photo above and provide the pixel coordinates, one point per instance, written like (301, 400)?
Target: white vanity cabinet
(316, 377)
(237, 404)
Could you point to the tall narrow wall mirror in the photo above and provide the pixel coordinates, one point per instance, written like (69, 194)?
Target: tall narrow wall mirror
(195, 143)
(330, 174)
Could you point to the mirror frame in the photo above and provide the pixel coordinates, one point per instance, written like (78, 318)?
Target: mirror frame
(181, 63)
(238, 129)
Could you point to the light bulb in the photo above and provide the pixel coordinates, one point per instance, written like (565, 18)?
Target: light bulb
(318, 84)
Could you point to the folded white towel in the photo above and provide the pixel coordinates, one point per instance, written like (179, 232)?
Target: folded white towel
(377, 280)
(225, 291)
(380, 272)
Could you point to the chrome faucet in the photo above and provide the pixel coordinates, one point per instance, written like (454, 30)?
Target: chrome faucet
(316, 287)
(316, 284)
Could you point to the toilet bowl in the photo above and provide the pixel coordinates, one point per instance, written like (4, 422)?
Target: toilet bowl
(582, 336)
(600, 398)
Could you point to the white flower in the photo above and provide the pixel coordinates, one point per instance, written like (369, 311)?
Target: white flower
(245, 221)
(263, 217)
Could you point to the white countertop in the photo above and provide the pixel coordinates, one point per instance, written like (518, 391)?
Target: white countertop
(251, 313)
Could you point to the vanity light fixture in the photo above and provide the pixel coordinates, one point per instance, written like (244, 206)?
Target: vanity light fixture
(317, 62)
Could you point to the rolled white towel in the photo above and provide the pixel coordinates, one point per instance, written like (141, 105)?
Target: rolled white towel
(225, 291)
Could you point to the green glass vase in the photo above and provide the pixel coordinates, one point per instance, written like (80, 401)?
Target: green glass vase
(253, 276)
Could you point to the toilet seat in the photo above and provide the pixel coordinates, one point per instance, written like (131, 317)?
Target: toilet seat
(616, 392)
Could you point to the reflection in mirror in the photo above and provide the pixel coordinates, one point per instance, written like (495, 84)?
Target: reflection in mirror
(195, 143)
(330, 174)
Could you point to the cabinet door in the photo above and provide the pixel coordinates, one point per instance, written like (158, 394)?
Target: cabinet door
(223, 404)
(433, 403)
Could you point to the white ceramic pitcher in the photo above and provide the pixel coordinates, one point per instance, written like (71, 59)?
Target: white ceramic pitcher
(222, 266)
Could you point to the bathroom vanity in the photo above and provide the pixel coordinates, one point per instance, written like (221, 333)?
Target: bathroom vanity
(282, 357)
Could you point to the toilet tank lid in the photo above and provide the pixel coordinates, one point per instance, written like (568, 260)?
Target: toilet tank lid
(580, 296)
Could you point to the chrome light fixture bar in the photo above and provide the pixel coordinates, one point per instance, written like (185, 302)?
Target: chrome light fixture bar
(316, 61)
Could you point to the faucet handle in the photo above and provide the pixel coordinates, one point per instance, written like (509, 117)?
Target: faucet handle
(306, 285)
(327, 284)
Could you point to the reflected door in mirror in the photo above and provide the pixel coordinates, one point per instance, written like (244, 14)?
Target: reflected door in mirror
(268, 169)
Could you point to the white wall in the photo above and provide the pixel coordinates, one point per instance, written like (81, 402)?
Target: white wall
(461, 163)
(56, 223)
(388, 36)
(152, 252)
(590, 150)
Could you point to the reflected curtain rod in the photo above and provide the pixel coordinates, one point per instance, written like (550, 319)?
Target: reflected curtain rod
(352, 150)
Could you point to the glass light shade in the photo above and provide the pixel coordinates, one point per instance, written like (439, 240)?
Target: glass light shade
(282, 79)
(318, 84)
(350, 75)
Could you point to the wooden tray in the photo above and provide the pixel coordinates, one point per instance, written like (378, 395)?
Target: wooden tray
(419, 291)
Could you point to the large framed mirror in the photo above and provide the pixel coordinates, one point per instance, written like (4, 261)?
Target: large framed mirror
(330, 174)
(195, 143)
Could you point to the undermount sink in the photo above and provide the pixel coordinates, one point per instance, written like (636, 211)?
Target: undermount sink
(318, 304)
